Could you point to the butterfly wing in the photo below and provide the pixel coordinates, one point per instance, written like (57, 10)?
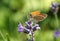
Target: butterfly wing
(40, 17)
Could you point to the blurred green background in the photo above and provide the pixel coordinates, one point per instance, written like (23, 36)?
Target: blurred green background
(14, 11)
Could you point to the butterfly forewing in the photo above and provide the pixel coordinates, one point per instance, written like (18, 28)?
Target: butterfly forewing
(40, 17)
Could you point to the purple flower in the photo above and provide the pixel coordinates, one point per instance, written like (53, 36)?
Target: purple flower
(54, 6)
(20, 28)
(36, 27)
(26, 31)
(28, 23)
(57, 33)
(28, 27)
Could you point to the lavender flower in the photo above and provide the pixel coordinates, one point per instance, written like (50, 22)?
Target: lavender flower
(27, 31)
(57, 33)
(20, 28)
(28, 25)
(36, 27)
(54, 6)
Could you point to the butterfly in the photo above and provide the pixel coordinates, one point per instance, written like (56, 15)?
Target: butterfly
(38, 16)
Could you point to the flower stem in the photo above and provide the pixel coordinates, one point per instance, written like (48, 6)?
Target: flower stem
(2, 36)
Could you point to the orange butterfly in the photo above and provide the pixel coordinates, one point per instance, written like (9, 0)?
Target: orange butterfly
(38, 16)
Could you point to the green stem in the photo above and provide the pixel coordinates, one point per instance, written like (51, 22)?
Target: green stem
(55, 39)
(2, 36)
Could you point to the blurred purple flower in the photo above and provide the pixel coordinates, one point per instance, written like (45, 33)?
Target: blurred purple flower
(57, 33)
(54, 5)
(20, 28)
